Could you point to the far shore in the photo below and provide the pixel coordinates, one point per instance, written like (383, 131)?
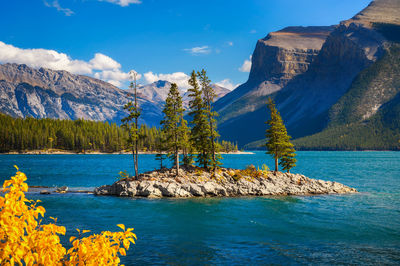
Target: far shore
(56, 151)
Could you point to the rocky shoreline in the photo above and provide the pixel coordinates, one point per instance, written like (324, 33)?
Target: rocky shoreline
(195, 182)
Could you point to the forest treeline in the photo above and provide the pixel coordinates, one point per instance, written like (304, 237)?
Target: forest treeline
(22, 134)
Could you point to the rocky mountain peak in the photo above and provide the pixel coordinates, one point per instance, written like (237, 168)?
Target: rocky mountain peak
(378, 11)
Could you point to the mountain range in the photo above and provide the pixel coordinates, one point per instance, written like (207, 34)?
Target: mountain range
(46, 93)
(336, 87)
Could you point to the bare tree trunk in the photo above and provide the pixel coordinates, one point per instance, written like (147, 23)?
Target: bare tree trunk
(276, 164)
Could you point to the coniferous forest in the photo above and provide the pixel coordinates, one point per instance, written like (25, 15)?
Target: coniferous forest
(23, 134)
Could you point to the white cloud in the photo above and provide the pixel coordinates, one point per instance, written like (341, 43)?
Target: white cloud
(68, 12)
(246, 67)
(198, 50)
(43, 58)
(227, 83)
(100, 66)
(180, 78)
(103, 62)
(123, 3)
(230, 43)
(253, 31)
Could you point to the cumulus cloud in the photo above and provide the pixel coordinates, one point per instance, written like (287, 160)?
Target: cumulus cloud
(246, 67)
(55, 4)
(100, 66)
(180, 78)
(43, 58)
(228, 84)
(103, 62)
(123, 3)
(198, 50)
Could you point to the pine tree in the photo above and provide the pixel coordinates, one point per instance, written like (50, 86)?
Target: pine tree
(130, 123)
(173, 124)
(200, 127)
(278, 142)
(208, 99)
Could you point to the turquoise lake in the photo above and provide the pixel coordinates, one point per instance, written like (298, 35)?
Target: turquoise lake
(363, 228)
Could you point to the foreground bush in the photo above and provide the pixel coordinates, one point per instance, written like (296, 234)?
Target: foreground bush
(25, 240)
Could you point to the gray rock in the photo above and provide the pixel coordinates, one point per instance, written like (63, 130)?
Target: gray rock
(190, 184)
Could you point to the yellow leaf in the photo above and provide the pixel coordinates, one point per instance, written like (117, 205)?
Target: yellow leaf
(126, 243)
(71, 238)
(121, 226)
(122, 251)
(16, 167)
(85, 231)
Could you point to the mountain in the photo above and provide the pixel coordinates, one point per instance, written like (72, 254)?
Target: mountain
(157, 92)
(41, 93)
(315, 95)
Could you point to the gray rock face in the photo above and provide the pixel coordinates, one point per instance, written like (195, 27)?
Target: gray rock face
(41, 93)
(190, 184)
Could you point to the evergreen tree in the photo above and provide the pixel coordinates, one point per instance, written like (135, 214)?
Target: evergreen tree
(173, 124)
(200, 127)
(208, 99)
(278, 142)
(130, 123)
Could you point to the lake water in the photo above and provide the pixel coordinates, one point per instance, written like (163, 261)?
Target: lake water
(348, 229)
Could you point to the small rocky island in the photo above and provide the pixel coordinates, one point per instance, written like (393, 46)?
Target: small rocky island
(195, 182)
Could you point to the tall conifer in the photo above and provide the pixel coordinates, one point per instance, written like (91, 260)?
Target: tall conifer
(130, 124)
(208, 99)
(174, 124)
(278, 141)
(200, 127)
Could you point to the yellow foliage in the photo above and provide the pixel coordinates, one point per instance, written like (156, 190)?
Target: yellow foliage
(24, 240)
(250, 172)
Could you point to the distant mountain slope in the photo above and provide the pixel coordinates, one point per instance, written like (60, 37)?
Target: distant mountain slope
(368, 115)
(157, 92)
(41, 93)
(307, 101)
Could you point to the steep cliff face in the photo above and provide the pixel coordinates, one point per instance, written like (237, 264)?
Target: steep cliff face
(41, 93)
(276, 60)
(305, 100)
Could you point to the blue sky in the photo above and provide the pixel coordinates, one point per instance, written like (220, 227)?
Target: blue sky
(163, 38)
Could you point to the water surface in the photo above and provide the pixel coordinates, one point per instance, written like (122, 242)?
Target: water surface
(345, 229)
